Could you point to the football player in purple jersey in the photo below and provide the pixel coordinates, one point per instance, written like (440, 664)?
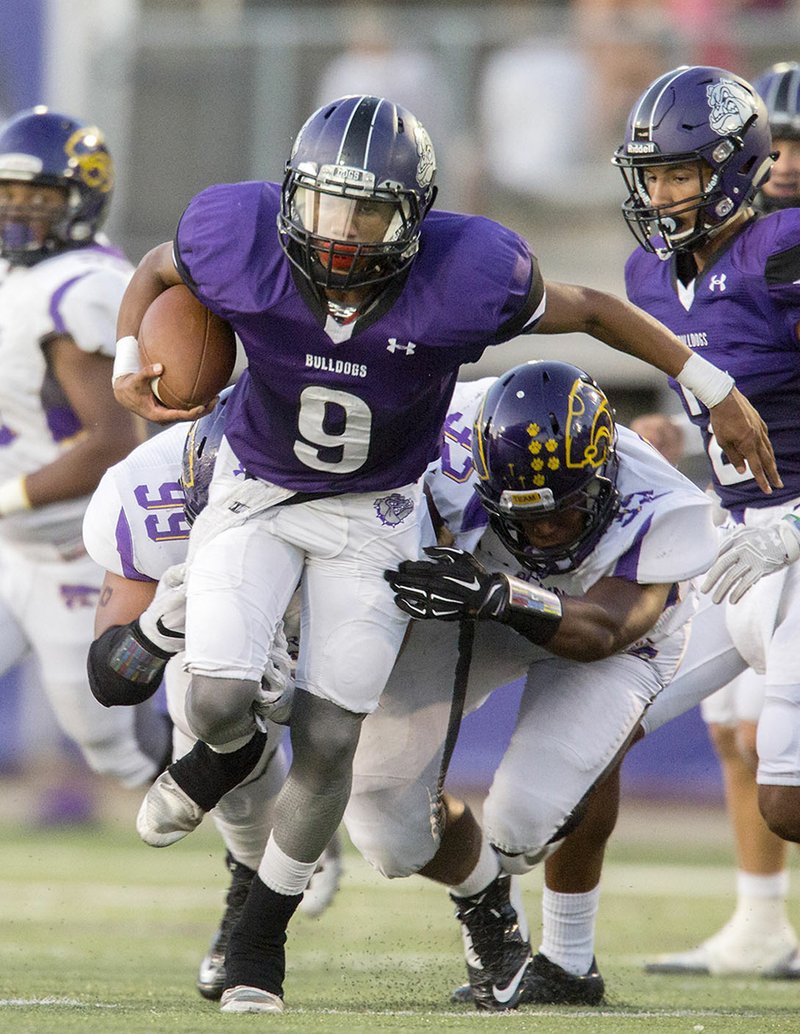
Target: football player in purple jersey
(356, 304)
(779, 87)
(697, 148)
(758, 938)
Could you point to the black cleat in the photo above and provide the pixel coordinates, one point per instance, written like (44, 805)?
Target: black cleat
(496, 945)
(211, 975)
(548, 984)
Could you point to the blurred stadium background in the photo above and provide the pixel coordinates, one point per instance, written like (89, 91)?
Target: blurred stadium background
(525, 102)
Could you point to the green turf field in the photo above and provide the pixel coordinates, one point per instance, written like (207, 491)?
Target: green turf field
(99, 933)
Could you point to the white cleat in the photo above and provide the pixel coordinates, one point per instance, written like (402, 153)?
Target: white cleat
(249, 999)
(324, 883)
(731, 952)
(167, 813)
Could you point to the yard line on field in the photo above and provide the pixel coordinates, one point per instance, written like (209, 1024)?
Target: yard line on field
(60, 1002)
(525, 1015)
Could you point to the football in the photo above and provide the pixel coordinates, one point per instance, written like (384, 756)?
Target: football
(196, 348)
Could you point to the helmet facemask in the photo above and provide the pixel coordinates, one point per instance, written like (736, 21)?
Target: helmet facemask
(597, 502)
(322, 222)
(694, 116)
(29, 233)
(660, 229)
(358, 184)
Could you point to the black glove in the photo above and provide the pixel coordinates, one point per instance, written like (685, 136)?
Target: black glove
(455, 586)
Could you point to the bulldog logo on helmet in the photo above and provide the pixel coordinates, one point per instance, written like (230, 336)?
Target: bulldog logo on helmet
(731, 107)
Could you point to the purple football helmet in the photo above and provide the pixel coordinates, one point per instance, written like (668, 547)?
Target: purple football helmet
(694, 114)
(199, 456)
(42, 147)
(544, 443)
(779, 87)
(356, 158)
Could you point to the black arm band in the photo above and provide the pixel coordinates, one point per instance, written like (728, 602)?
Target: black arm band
(124, 667)
(532, 611)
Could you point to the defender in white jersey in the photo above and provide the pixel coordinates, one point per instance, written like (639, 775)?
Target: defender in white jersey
(136, 527)
(60, 428)
(584, 577)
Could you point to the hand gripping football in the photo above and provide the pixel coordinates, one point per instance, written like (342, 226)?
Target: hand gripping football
(196, 348)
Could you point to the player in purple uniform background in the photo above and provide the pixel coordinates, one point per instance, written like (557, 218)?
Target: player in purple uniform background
(355, 305)
(758, 938)
(697, 147)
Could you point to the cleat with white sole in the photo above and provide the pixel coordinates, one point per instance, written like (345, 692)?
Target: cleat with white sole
(250, 999)
(734, 951)
(167, 813)
(496, 944)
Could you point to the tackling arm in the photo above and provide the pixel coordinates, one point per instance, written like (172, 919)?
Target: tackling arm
(612, 615)
(138, 628)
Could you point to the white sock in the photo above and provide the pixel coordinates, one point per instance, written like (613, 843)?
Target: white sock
(568, 923)
(756, 885)
(760, 901)
(486, 869)
(283, 874)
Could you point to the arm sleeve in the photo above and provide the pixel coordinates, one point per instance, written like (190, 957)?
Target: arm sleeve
(122, 670)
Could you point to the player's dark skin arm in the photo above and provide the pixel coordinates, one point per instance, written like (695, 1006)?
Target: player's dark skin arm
(154, 274)
(611, 615)
(107, 434)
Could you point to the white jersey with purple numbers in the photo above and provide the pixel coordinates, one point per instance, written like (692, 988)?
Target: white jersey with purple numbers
(741, 314)
(663, 533)
(76, 293)
(653, 538)
(450, 482)
(135, 524)
(326, 408)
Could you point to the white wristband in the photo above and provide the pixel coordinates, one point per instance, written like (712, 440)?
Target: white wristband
(126, 359)
(13, 496)
(706, 382)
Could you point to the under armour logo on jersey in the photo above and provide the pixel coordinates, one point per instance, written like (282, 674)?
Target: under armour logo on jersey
(395, 346)
(717, 281)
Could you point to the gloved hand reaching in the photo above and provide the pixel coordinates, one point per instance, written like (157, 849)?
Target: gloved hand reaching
(749, 554)
(456, 585)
